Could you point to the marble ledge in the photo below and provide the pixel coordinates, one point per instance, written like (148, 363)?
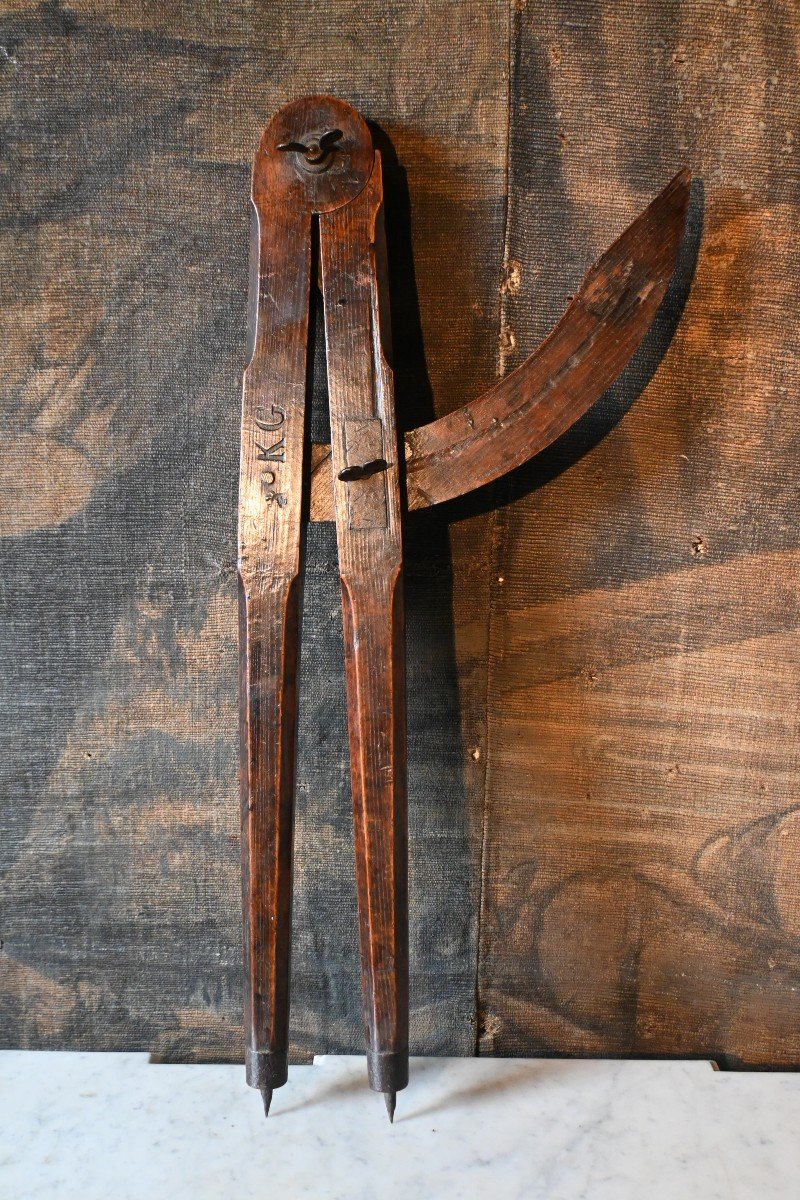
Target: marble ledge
(90, 1126)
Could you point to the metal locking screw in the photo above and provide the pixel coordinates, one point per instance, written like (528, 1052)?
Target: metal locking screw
(317, 152)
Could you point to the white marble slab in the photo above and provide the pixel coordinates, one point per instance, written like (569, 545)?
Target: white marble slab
(114, 1127)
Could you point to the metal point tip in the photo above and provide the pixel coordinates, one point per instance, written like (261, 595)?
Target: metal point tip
(266, 1096)
(390, 1099)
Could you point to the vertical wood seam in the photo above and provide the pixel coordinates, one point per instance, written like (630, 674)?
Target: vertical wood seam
(494, 540)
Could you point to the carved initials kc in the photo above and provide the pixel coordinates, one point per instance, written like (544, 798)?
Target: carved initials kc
(277, 452)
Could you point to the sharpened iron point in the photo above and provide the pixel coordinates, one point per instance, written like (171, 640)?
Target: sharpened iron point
(266, 1096)
(390, 1099)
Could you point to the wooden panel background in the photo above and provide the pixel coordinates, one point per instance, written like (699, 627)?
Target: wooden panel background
(603, 656)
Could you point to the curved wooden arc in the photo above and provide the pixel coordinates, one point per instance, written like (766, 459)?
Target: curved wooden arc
(560, 381)
(569, 371)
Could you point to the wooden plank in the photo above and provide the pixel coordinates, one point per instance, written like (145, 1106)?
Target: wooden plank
(642, 796)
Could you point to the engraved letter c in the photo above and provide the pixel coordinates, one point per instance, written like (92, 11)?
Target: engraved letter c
(277, 411)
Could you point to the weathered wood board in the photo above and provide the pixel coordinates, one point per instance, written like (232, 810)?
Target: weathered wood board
(640, 872)
(603, 653)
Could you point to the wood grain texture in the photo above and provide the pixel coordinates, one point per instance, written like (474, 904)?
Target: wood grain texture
(295, 176)
(270, 534)
(636, 724)
(369, 539)
(642, 797)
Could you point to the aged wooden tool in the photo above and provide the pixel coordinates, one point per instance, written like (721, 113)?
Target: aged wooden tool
(316, 165)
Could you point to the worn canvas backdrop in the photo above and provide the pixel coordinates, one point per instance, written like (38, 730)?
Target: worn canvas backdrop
(603, 650)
